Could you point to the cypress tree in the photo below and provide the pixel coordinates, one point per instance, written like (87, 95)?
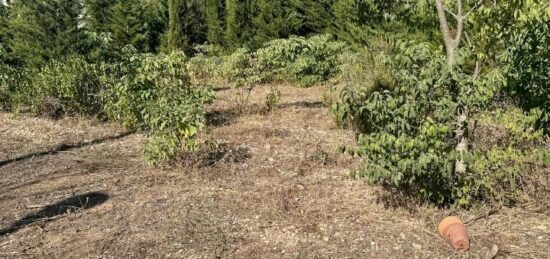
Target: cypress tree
(45, 30)
(239, 27)
(4, 12)
(349, 21)
(177, 34)
(187, 25)
(232, 24)
(215, 32)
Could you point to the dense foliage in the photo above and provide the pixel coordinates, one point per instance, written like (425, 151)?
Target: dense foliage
(413, 89)
(405, 102)
(154, 93)
(530, 63)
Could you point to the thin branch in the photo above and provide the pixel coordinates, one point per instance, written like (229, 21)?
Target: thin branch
(473, 8)
(451, 13)
(460, 23)
(478, 65)
(469, 41)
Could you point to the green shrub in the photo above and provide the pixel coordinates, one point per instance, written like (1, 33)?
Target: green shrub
(273, 98)
(203, 67)
(529, 73)
(362, 73)
(505, 151)
(240, 70)
(306, 61)
(407, 129)
(70, 87)
(155, 94)
(9, 79)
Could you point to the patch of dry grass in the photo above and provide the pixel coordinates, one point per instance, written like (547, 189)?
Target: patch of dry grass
(276, 188)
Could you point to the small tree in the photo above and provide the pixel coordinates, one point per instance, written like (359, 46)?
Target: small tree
(452, 43)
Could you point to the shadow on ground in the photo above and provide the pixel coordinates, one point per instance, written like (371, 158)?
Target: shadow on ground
(51, 212)
(64, 147)
(226, 117)
(207, 157)
(303, 104)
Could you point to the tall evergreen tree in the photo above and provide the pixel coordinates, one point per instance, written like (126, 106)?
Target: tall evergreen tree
(45, 30)
(4, 13)
(239, 27)
(349, 23)
(186, 25)
(214, 10)
(232, 23)
(315, 15)
(177, 34)
(274, 19)
(98, 14)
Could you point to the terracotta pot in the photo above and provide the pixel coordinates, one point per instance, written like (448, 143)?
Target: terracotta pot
(453, 230)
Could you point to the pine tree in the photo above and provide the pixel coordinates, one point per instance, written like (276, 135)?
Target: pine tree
(4, 13)
(239, 27)
(349, 23)
(45, 30)
(315, 15)
(186, 25)
(215, 31)
(124, 23)
(98, 15)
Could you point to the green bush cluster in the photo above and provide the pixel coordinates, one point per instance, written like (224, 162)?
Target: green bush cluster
(306, 61)
(406, 119)
(361, 74)
(300, 60)
(155, 94)
(509, 148)
(69, 87)
(9, 78)
(529, 73)
(145, 92)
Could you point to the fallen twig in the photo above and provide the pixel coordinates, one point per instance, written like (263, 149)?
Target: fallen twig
(488, 214)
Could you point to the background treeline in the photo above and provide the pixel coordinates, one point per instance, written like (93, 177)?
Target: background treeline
(34, 32)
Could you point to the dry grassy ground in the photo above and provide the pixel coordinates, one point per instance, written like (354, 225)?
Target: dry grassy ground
(277, 189)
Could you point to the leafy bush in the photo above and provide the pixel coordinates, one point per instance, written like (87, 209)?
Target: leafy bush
(70, 87)
(507, 147)
(241, 72)
(305, 61)
(155, 94)
(8, 81)
(529, 70)
(407, 128)
(273, 98)
(203, 67)
(361, 74)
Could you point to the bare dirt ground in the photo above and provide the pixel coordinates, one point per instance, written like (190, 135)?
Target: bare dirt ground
(278, 189)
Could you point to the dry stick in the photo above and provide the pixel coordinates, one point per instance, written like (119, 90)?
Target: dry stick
(38, 206)
(474, 219)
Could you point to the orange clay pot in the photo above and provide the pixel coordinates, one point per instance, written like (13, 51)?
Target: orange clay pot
(455, 233)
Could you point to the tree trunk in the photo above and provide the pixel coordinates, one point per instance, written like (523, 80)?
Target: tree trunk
(451, 45)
